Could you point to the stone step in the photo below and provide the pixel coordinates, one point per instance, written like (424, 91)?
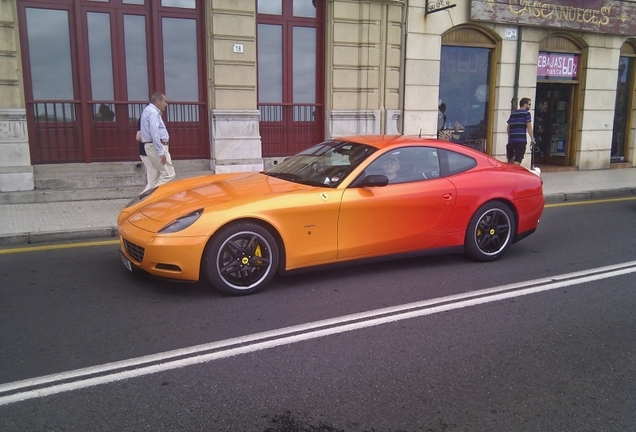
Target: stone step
(97, 181)
(51, 195)
(81, 194)
(96, 168)
(89, 181)
(101, 175)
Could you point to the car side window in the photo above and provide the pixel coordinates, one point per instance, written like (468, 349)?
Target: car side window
(407, 164)
(455, 163)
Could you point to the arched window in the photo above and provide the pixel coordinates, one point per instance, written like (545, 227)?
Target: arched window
(465, 83)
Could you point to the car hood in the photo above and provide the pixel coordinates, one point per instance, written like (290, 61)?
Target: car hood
(182, 197)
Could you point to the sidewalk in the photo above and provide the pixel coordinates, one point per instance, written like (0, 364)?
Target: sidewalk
(76, 220)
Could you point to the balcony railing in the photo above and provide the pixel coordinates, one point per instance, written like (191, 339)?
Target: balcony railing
(59, 133)
(287, 129)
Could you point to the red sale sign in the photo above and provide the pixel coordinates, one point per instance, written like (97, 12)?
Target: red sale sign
(555, 65)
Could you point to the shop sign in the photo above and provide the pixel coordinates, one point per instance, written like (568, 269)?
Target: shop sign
(433, 6)
(598, 16)
(557, 65)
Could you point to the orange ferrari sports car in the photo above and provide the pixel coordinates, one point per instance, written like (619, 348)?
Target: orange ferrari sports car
(343, 200)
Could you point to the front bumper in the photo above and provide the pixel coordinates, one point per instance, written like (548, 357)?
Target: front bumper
(171, 256)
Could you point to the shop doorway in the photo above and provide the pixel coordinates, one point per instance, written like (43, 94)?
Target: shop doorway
(553, 124)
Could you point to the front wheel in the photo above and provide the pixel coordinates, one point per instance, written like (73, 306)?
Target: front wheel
(240, 259)
(490, 232)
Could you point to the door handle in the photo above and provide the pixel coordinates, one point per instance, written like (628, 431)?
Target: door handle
(447, 196)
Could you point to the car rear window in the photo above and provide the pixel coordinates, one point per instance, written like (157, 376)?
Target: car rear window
(454, 163)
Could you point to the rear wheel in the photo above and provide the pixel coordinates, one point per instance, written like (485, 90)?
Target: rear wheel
(490, 231)
(241, 258)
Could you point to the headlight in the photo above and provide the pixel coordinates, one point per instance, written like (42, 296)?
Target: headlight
(141, 197)
(181, 223)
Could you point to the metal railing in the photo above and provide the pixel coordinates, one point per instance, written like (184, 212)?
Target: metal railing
(59, 133)
(287, 129)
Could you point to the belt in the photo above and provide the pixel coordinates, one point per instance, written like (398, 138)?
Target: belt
(162, 142)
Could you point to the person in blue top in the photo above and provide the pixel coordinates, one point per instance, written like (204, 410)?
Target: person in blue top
(519, 124)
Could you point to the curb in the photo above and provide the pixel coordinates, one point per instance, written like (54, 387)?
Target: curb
(58, 236)
(589, 195)
(27, 238)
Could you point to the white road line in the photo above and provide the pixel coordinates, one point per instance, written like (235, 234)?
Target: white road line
(116, 371)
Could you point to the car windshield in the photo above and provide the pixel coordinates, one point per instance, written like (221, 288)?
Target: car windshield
(326, 164)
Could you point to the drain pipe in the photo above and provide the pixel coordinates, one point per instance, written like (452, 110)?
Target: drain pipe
(402, 84)
(515, 98)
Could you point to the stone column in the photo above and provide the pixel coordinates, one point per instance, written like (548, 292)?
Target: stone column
(16, 172)
(598, 102)
(363, 67)
(235, 143)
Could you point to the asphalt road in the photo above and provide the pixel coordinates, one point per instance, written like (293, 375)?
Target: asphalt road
(541, 340)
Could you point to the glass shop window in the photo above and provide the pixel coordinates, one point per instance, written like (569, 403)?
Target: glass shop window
(463, 104)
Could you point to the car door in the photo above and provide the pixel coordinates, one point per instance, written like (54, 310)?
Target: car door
(308, 221)
(409, 213)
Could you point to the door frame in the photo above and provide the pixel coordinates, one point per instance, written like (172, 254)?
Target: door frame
(282, 126)
(631, 84)
(571, 135)
(73, 139)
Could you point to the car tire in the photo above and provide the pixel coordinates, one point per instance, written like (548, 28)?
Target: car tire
(241, 258)
(490, 232)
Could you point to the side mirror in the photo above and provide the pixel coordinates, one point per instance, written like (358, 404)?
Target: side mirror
(371, 181)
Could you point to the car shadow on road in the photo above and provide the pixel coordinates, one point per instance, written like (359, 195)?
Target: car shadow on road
(360, 273)
(430, 270)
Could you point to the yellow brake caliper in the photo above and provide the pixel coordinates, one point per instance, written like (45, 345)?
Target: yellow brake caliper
(258, 253)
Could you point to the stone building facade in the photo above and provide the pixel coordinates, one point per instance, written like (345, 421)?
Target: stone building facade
(449, 68)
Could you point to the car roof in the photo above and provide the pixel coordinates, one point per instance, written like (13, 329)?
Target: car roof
(387, 141)
(378, 141)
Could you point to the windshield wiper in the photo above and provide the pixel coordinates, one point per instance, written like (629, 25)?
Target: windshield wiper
(284, 176)
(316, 183)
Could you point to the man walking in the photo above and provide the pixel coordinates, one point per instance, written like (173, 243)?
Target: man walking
(519, 123)
(155, 137)
(144, 158)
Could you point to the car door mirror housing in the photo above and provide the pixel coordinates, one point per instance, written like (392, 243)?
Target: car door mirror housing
(375, 180)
